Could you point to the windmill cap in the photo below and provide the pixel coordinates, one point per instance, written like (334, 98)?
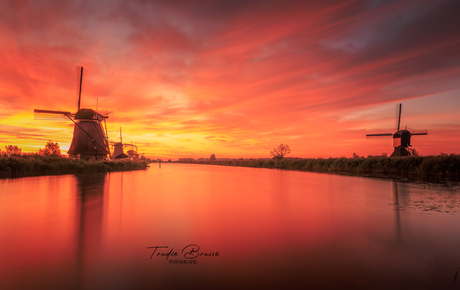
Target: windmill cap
(87, 114)
(401, 133)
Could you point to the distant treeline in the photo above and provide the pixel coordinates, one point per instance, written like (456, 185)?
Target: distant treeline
(444, 166)
(34, 164)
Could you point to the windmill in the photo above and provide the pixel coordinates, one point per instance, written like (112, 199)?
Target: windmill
(118, 148)
(89, 137)
(133, 153)
(401, 138)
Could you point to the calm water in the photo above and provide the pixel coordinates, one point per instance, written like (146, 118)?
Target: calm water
(255, 228)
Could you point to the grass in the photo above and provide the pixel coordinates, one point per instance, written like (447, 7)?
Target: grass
(439, 166)
(34, 165)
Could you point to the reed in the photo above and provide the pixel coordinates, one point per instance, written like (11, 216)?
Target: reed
(34, 165)
(443, 166)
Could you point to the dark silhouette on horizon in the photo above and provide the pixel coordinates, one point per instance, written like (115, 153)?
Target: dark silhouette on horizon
(401, 138)
(89, 137)
(279, 152)
(118, 150)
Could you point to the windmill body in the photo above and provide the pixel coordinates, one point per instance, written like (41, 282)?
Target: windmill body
(133, 154)
(401, 138)
(118, 149)
(89, 140)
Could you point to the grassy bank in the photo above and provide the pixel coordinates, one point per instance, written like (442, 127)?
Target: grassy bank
(34, 165)
(440, 166)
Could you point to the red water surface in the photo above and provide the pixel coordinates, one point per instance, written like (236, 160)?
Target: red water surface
(258, 227)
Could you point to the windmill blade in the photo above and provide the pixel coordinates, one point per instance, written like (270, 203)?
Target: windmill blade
(377, 135)
(398, 116)
(51, 115)
(130, 145)
(104, 113)
(419, 132)
(79, 71)
(51, 112)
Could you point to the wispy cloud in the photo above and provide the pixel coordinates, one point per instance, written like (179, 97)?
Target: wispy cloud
(234, 78)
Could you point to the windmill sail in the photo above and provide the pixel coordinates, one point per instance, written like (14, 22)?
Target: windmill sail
(375, 135)
(419, 132)
(52, 115)
(79, 71)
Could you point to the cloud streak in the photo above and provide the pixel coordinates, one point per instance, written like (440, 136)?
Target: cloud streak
(253, 74)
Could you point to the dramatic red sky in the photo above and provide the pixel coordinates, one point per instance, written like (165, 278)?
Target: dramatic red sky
(234, 78)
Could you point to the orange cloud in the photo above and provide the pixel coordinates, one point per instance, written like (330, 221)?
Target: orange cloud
(233, 78)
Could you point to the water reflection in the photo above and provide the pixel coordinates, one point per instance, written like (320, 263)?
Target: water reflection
(398, 208)
(89, 220)
(272, 228)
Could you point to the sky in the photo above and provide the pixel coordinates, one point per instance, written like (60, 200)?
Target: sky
(187, 79)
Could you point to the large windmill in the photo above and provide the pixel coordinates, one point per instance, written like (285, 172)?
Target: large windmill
(89, 137)
(401, 139)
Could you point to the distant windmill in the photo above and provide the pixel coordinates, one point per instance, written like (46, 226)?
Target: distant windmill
(89, 138)
(133, 151)
(401, 139)
(118, 148)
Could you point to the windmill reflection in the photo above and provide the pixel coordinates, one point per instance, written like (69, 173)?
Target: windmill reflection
(400, 198)
(397, 209)
(89, 218)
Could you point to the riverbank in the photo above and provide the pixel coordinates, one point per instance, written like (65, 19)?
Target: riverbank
(35, 165)
(415, 167)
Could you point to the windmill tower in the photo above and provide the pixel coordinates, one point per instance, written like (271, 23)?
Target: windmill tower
(118, 149)
(89, 137)
(401, 138)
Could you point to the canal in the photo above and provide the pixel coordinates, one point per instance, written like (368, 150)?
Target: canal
(215, 227)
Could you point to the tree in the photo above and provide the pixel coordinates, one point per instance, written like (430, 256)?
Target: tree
(280, 152)
(213, 157)
(13, 150)
(412, 151)
(51, 149)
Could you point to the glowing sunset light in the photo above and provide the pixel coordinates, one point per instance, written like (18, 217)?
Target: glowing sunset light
(234, 78)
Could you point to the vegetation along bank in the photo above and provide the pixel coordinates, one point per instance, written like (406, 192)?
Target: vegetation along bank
(420, 167)
(50, 161)
(33, 165)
